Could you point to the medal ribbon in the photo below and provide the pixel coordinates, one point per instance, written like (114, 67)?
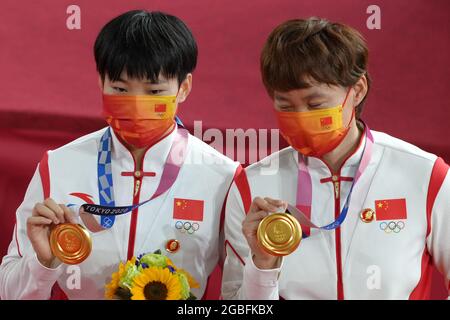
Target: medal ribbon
(304, 184)
(107, 208)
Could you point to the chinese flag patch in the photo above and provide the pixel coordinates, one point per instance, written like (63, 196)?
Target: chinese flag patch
(393, 209)
(160, 107)
(187, 209)
(327, 121)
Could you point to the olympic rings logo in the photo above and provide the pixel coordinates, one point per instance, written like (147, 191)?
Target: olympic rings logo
(187, 227)
(392, 226)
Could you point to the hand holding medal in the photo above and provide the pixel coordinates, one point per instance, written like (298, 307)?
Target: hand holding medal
(53, 232)
(263, 258)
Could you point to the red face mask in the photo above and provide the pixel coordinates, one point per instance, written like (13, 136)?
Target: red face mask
(140, 120)
(314, 133)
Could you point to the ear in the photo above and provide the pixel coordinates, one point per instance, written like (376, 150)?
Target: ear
(185, 88)
(360, 88)
(100, 83)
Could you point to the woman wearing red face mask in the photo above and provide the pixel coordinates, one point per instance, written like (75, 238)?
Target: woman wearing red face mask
(374, 210)
(171, 184)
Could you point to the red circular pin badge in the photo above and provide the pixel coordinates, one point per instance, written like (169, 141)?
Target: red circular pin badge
(172, 246)
(367, 215)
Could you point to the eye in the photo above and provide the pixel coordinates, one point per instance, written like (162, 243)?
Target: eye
(285, 108)
(155, 92)
(119, 90)
(314, 105)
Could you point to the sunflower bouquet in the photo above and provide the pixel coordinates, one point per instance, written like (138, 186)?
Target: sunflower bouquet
(150, 276)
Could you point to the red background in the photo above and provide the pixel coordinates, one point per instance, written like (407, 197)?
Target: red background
(50, 96)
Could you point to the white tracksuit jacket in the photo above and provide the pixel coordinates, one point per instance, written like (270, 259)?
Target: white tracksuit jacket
(358, 260)
(69, 175)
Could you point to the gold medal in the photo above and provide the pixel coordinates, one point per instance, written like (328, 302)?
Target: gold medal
(367, 215)
(70, 243)
(279, 234)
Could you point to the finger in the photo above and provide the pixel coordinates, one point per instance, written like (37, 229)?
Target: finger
(267, 206)
(50, 203)
(36, 221)
(68, 214)
(250, 228)
(259, 204)
(256, 216)
(44, 211)
(254, 206)
(60, 215)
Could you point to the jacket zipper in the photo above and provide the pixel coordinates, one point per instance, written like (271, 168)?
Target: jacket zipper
(337, 211)
(137, 187)
(134, 216)
(138, 174)
(336, 190)
(336, 179)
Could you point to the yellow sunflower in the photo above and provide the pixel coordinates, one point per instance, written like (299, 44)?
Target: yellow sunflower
(192, 282)
(156, 284)
(113, 285)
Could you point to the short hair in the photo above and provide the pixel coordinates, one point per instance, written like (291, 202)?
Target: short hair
(299, 51)
(145, 45)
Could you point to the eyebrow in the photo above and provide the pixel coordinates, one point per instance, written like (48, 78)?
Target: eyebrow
(148, 82)
(277, 97)
(314, 95)
(157, 81)
(309, 96)
(121, 80)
